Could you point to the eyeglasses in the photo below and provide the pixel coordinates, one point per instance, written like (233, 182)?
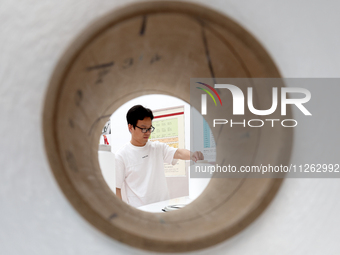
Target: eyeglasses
(144, 130)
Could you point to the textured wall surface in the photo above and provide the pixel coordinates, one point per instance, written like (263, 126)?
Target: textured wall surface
(36, 218)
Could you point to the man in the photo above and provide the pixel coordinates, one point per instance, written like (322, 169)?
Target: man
(140, 163)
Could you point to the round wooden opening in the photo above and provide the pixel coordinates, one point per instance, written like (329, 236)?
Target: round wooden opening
(155, 48)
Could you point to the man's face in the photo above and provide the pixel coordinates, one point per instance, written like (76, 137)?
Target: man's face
(138, 138)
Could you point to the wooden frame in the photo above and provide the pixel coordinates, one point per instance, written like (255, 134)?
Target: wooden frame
(146, 48)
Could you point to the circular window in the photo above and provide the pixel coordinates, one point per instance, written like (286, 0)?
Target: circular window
(155, 48)
(172, 114)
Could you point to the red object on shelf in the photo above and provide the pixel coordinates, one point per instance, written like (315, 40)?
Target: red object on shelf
(105, 140)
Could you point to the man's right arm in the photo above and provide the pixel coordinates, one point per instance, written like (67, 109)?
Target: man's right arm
(185, 154)
(119, 193)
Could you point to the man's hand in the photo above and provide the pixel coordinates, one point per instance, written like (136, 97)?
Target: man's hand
(197, 155)
(185, 154)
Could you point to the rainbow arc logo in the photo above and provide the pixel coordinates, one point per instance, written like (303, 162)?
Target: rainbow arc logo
(209, 93)
(204, 97)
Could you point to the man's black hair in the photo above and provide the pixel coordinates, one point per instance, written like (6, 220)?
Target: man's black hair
(136, 113)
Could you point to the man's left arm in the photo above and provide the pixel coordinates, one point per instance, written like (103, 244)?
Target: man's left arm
(185, 154)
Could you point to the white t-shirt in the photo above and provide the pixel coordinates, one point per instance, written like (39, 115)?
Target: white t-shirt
(141, 169)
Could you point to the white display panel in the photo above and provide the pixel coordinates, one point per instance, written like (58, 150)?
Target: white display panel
(169, 129)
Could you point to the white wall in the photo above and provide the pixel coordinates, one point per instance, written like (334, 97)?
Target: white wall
(36, 218)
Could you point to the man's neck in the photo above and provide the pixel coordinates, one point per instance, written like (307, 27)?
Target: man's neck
(136, 143)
